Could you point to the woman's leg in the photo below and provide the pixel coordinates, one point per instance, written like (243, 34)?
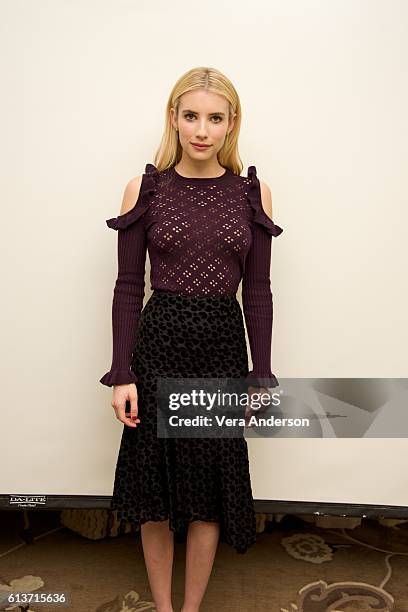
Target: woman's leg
(201, 546)
(158, 549)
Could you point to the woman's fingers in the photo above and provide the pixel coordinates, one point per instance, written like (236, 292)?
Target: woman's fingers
(124, 416)
(122, 397)
(248, 414)
(134, 410)
(259, 408)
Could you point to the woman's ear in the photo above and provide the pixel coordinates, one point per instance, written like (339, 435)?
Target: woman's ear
(231, 123)
(173, 117)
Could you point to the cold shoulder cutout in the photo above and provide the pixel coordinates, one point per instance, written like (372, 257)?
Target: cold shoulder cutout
(254, 197)
(147, 190)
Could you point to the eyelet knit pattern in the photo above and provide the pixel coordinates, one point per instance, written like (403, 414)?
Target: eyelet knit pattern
(203, 236)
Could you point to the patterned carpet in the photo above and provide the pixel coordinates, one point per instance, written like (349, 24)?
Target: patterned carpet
(293, 567)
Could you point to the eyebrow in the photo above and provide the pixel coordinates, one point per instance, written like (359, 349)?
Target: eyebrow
(187, 110)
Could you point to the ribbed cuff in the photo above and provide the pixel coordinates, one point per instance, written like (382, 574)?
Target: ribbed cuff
(268, 380)
(118, 377)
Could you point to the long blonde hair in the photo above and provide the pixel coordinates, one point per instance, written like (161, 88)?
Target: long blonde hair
(170, 151)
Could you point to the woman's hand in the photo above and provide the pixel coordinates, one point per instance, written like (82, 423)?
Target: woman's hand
(122, 394)
(251, 411)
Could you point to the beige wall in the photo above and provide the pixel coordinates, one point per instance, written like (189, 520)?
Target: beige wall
(324, 120)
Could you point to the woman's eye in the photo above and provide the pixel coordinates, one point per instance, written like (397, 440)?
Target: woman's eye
(213, 117)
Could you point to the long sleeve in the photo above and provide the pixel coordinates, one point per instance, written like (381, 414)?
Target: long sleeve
(257, 298)
(129, 290)
(127, 302)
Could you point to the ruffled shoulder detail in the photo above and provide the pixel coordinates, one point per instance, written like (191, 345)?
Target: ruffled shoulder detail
(147, 189)
(254, 197)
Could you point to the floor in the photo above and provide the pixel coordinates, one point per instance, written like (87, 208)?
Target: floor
(293, 566)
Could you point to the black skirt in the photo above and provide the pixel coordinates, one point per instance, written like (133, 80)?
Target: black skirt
(186, 479)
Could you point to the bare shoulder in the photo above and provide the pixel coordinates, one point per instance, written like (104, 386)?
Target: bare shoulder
(266, 197)
(131, 194)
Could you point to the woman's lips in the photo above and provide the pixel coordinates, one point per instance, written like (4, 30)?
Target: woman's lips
(200, 147)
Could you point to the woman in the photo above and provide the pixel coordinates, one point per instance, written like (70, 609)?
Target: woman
(206, 228)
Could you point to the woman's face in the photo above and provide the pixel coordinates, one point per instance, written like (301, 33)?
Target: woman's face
(203, 119)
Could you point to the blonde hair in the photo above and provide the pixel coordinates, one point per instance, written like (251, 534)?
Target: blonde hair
(170, 151)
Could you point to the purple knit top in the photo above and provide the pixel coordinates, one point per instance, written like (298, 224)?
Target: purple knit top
(203, 235)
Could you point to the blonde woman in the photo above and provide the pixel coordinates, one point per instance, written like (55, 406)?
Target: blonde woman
(206, 228)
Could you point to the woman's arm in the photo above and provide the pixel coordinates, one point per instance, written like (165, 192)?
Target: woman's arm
(129, 288)
(257, 297)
